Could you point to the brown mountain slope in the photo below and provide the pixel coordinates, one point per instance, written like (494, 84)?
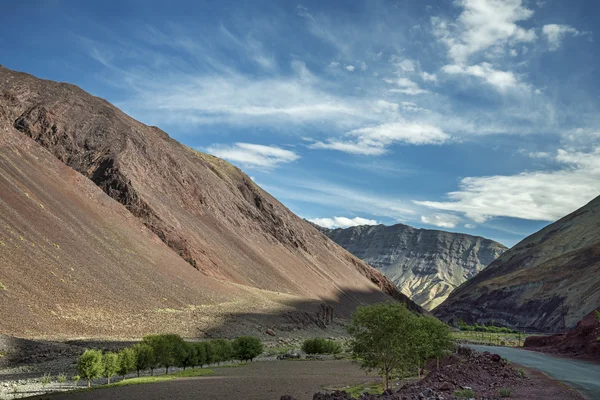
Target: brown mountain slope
(254, 254)
(553, 272)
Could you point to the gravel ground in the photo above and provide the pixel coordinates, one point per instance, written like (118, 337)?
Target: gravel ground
(256, 381)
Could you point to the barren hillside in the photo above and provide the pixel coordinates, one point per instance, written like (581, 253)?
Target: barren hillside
(73, 261)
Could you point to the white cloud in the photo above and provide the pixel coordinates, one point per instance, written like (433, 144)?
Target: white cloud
(406, 86)
(342, 222)
(501, 80)
(253, 155)
(374, 140)
(406, 65)
(350, 68)
(427, 77)
(555, 34)
(482, 25)
(470, 226)
(441, 220)
(541, 195)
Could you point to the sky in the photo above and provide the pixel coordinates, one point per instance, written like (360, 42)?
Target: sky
(473, 116)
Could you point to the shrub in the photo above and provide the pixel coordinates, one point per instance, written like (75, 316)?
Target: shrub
(144, 358)
(127, 361)
(247, 348)
(465, 394)
(110, 365)
(46, 379)
(505, 392)
(521, 372)
(89, 365)
(76, 379)
(61, 378)
(321, 346)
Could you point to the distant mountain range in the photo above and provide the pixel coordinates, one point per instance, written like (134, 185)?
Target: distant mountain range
(547, 282)
(426, 265)
(110, 228)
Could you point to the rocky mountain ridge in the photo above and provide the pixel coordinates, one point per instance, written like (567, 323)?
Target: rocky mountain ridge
(546, 283)
(425, 264)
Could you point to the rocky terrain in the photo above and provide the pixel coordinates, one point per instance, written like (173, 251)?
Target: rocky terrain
(484, 373)
(425, 264)
(546, 283)
(110, 228)
(582, 342)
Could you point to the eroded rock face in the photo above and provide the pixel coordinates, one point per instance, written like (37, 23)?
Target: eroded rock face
(550, 277)
(426, 265)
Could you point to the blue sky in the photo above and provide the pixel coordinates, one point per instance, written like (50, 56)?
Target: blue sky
(475, 116)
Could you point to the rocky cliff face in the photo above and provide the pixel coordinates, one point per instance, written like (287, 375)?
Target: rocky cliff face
(550, 277)
(175, 204)
(426, 265)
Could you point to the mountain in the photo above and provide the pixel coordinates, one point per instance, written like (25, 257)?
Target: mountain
(551, 274)
(109, 227)
(426, 265)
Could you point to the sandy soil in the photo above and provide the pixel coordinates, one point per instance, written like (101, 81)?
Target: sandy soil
(257, 381)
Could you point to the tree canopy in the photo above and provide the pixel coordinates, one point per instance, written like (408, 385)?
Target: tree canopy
(389, 338)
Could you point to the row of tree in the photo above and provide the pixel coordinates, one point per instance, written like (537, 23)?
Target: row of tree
(463, 326)
(165, 351)
(396, 342)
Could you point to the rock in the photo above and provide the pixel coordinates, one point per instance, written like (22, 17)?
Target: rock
(270, 332)
(495, 358)
(286, 397)
(446, 387)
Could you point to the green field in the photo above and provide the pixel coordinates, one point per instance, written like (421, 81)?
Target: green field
(490, 338)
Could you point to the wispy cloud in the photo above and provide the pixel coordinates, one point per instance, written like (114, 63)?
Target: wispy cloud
(342, 222)
(556, 33)
(542, 195)
(253, 155)
(355, 200)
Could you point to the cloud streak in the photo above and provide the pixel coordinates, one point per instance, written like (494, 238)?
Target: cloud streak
(253, 155)
(540, 195)
(342, 222)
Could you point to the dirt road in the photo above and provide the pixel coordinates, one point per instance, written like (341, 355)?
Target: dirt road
(580, 375)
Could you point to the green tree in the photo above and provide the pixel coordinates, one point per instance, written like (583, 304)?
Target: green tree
(222, 350)
(433, 340)
(127, 361)
(110, 365)
(205, 353)
(144, 358)
(247, 347)
(190, 359)
(89, 365)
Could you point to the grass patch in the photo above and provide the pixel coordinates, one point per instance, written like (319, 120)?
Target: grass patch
(2, 286)
(188, 373)
(464, 394)
(357, 391)
(505, 393)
